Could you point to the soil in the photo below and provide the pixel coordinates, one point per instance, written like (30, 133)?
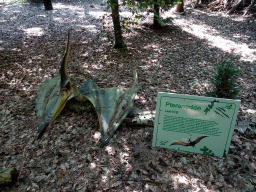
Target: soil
(179, 59)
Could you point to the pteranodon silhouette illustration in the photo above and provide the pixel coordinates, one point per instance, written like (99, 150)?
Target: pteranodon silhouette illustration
(189, 143)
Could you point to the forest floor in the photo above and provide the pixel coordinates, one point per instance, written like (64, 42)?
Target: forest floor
(177, 59)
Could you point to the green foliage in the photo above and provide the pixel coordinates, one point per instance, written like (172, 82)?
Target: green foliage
(143, 4)
(164, 4)
(135, 7)
(206, 151)
(126, 22)
(209, 107)
(225, 81)
(167, 20)
(196, 84)
(106, 29)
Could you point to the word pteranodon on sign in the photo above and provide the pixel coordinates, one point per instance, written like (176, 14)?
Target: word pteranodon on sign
(112, 105)
(189, 143)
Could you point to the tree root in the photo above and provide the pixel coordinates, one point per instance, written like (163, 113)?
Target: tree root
(243, 4)
(234, 8)
(248, 10)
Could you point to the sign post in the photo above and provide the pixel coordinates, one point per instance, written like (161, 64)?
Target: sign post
(194, 124)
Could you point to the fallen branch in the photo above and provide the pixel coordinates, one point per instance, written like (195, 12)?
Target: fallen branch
(196, 4)
(213, 4)
(249, 8)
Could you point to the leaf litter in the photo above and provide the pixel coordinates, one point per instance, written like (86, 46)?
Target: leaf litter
(174, 59)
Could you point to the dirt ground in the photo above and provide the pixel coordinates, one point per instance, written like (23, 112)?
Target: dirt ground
(177, 59)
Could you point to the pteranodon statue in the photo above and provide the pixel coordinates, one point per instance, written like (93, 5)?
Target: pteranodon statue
(112, 105)
(189, 143)
(53, 95)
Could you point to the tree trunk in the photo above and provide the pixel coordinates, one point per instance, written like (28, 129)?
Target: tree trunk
(157, 24)
(48, 5)
(117, 27)
(180, 6)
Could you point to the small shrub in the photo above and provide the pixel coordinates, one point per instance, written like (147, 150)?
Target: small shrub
(225, 81)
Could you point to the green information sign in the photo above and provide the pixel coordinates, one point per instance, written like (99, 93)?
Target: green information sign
(194, 124)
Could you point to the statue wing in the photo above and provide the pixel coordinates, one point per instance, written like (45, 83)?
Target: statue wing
(112, 105)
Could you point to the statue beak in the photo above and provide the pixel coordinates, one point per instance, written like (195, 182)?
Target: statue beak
(57, 108)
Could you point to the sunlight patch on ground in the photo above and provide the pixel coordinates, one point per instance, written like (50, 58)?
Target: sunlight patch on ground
(68, 6)
(97, 14)
(12, 1)
(206, 32)
(41, 15)
(92, 165)
(104, 178)
(59, 19)
(67, 10)
(126, 14)
(99, 66)
(251, 111)
(16, 49)
(34, 31)
(84, 55)
(97, 136)
(152, 46)
(110, 150)
(91, 29)
(124, 158)
(178, 179)
(88, 26)
(151, 63)
(213, 36)
(7, 1)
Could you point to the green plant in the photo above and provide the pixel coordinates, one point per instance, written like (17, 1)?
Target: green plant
(135, 7)
(209, 107)
(225, 81)
(206, 151)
